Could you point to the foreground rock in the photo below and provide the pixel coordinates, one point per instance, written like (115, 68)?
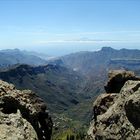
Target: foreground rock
(117, 116)
(23, 115)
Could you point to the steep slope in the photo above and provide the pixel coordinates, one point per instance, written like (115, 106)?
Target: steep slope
(23, 115)
(58, 86)
(43, 56)
(87, 62)
(95, 65)
(15, 56)
(130, 64)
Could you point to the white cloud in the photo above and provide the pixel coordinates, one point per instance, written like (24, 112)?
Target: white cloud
(76, 41)
(108, 32)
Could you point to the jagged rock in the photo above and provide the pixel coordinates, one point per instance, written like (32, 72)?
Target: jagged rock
(23, 115)
(117, 79)
(102, 103)
(117, 116)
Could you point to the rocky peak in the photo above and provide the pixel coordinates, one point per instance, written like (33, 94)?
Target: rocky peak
(23, 115)
(117, 79)
(117, 116)
(107, 49)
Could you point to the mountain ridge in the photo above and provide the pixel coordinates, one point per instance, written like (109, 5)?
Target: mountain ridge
(86, 62)
(15, 56)
(50, 81)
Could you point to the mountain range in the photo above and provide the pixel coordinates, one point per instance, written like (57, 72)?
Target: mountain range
(58, 86)
(87, 62)
(95, 65)
(69, 83)
(10, 57)
(61, 73)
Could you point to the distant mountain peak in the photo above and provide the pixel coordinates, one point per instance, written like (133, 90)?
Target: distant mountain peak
(10, 50)
(9, 57)
(107, 49)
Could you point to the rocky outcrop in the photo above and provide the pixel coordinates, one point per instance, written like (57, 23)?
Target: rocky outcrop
(23, 115)
(117, 116)
(117, 79)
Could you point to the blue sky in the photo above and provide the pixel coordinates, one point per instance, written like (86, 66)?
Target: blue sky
(58, 27)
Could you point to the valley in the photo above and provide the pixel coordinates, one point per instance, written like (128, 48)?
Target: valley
(69, 84)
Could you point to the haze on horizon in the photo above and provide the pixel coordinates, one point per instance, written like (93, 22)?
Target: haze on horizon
(58, 27)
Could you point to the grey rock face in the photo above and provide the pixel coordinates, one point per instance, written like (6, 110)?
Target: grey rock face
(23, 115)
(117, 116)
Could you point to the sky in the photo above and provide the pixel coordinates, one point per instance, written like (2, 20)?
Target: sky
(58, 27)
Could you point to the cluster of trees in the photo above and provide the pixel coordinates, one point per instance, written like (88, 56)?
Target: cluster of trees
(79, 136)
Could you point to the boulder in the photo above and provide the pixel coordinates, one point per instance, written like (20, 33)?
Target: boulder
(117, 79)
(117, 116)
(23, 115)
